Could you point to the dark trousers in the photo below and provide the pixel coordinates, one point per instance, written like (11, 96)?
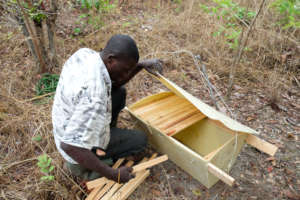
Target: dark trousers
(123, 142)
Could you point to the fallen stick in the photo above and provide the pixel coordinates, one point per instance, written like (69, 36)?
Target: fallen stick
(129, 187)
(220, 174)
(40, 97)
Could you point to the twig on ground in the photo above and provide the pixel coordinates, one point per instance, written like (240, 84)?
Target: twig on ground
(39, 97)
(169, 185)
(17, 163)
(296, 81)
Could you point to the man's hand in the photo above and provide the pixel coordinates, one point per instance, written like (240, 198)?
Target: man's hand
(85, 157)
(124, 176)
(153, 66)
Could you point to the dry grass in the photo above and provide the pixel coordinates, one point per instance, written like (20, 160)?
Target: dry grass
(160, 31)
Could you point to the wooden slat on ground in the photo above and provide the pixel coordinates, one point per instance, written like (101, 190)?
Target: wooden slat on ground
(129, 187)
(104, 189)
(117, 186)
(109, 184)
(94, 184)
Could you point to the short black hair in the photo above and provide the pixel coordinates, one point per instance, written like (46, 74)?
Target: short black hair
(122, 46)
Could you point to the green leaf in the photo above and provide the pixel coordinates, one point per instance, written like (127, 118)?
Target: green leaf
(9, 35)
(217, 33)
(77, 31)
(37, 138)
(50, 178)
(51, 168)
(126, 24)
(49, 162)
(251, 14)
(42, 158)
(44, 178)
(47, 178)
(42, 164)
(44, 170)
(205, 8)
(197, 192)
(83, 16)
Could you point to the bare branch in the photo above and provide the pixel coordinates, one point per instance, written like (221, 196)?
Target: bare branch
(241, 50)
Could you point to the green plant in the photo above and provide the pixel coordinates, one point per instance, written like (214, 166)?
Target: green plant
(37, 138)
(44, 163)
(233, 16)
(99, 5)
(47, 84)
(177, 1)
(76, 31)
(35, 13)
(178, 7)
(289, 11)
(93, 10)
(229, 11)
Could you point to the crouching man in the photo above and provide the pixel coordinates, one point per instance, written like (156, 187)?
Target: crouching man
(88, 100)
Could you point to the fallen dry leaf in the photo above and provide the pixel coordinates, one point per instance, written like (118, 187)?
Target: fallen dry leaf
(178, 190)
(249, 119)
(270, 158)
(287, 171)
(291, 195)
(290, 136)
(156, 192)
(197, 192)
(270, 169)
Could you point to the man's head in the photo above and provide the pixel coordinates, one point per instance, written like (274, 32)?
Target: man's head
(120, 56)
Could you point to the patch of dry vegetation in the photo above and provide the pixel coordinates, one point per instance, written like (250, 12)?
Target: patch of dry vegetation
(161, 30)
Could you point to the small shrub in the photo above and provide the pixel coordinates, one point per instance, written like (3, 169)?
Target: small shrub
(47, 84)
(233, 16)
(289, 10)
(94, 9)
(44, 163)
(229, 11)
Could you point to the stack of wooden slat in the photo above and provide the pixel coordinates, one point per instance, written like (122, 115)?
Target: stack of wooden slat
(104, 189)
(170, 115)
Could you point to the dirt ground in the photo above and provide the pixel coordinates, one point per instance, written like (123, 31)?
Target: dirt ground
(265, 98)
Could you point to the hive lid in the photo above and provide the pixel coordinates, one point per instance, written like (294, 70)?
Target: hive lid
(207, 110)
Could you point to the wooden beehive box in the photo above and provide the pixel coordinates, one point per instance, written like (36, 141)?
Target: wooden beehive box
(202, 141)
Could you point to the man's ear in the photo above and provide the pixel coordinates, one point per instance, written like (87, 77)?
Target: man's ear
(111, 59)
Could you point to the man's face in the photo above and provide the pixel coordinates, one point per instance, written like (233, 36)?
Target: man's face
(119, 69)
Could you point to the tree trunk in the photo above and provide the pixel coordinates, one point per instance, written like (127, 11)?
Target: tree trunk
(51, 34)
(41, 35)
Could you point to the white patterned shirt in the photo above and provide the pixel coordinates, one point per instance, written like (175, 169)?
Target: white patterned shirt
(81, 112)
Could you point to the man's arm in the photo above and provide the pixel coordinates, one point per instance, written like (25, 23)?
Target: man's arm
(89, 160)
(80, 135)
(151, 65)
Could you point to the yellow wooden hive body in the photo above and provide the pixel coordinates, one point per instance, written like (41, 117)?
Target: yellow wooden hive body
(199, 139)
